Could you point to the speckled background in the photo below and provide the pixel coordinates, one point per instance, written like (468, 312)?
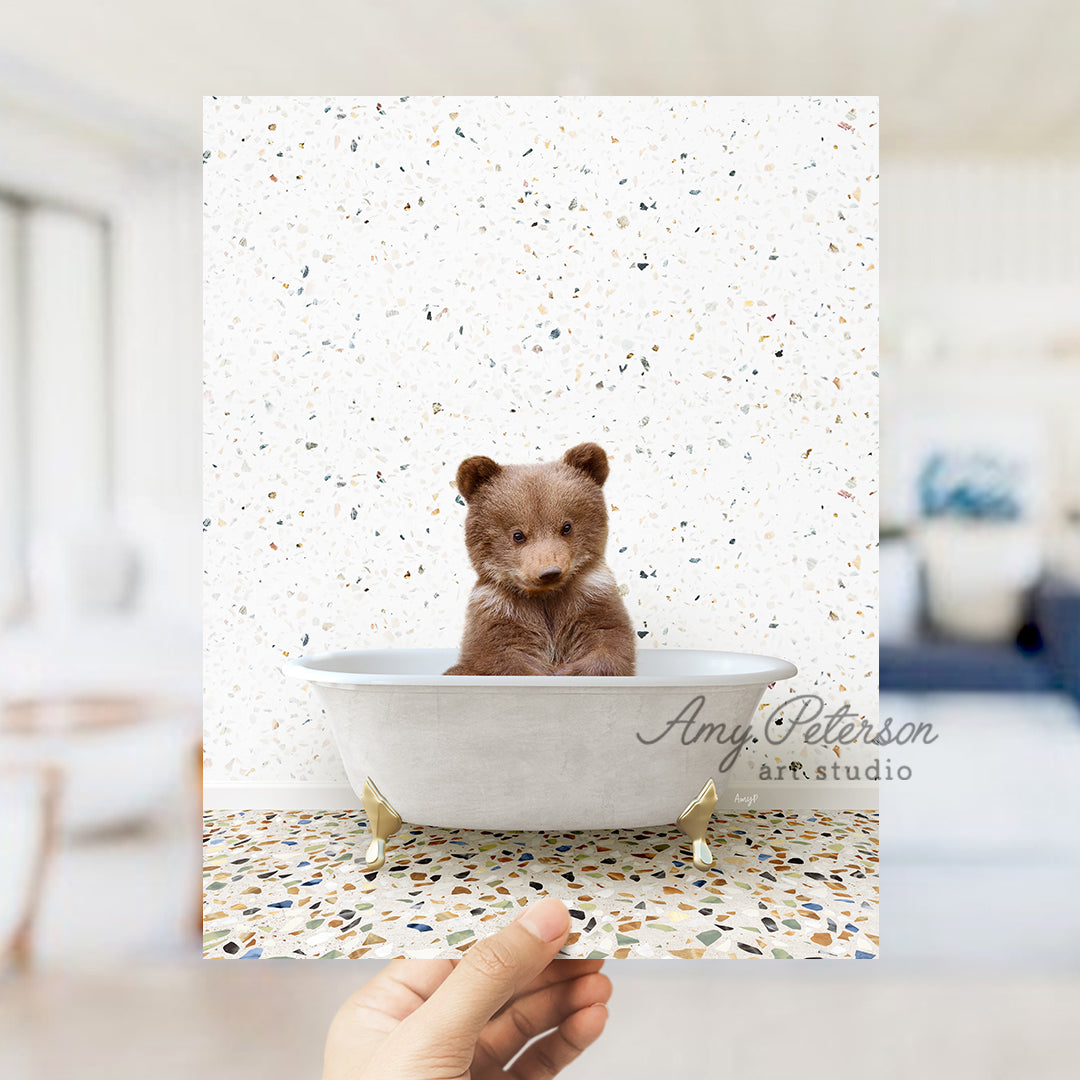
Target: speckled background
(394, 285)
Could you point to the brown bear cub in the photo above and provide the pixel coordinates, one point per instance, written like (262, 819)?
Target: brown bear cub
(545, 602)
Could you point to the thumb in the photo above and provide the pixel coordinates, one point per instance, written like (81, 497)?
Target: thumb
(492, 972)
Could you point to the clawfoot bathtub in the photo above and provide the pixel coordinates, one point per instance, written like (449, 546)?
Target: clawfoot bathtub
(551, 753)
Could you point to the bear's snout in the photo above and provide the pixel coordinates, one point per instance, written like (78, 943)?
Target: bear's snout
(549, 575)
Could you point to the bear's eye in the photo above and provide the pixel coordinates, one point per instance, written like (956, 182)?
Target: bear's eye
(566, 528)
(519, 537)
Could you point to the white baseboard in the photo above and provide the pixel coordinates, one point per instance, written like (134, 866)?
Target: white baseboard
(288, 795)
(762, 795)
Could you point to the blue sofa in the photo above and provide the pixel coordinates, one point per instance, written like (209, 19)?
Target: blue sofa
(1045, 658)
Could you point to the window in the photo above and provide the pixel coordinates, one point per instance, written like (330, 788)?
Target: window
(56, 400)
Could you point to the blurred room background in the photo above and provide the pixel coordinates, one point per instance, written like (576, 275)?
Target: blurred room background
(100, 275)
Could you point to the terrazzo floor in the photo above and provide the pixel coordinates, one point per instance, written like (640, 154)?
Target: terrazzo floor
(788, 885)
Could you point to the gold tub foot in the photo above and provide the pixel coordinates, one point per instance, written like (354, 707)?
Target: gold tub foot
(694, 822)
(384, 821)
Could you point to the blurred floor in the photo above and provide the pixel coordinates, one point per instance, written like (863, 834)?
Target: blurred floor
(237, 1022)
(980, 851)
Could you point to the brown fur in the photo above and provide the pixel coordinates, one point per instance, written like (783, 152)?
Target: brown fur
(518, 623)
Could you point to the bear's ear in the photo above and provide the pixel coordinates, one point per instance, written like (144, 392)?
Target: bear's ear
(473, 472)
(590, 459)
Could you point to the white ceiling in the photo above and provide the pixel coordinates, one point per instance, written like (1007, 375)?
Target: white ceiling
(955, 77)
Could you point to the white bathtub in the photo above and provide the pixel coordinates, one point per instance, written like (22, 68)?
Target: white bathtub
(551, 753)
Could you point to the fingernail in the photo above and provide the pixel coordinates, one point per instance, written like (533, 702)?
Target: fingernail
(546, 920)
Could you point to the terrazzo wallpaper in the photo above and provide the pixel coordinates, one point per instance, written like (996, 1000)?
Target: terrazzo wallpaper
(394, 285)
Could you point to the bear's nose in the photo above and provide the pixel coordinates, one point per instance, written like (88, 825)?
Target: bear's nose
(552, 573)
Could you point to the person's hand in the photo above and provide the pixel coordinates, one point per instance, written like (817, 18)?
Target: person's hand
(467, 1019)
